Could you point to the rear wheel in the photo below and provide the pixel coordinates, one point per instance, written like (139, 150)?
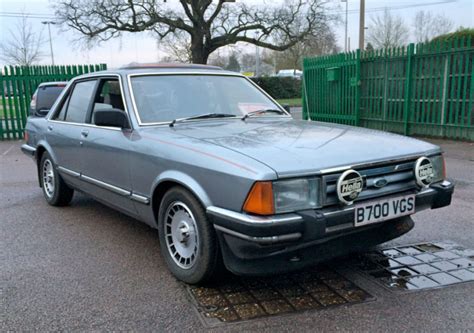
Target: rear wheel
(55, 190)
(187, 239)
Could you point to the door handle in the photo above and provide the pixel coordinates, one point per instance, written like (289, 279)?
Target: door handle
(85, 133)
(50, 128)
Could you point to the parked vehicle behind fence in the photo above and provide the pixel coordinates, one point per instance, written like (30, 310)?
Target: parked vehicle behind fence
(44, 97)
(294, 73)
(225, 174)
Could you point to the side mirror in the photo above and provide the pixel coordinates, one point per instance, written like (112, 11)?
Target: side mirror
(286, 107)
(111, 118)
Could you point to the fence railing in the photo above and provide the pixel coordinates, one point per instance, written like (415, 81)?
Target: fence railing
(424, 89)
(17, 85)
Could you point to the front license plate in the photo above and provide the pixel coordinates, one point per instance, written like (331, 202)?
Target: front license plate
(382, 210)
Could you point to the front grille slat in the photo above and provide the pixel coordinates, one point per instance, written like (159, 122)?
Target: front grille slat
(400, 177)
(391, 178)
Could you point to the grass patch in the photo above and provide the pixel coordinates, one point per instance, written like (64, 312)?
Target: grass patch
(290, 101)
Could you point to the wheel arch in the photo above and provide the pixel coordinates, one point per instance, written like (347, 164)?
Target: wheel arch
(41, 148)
(175, 178)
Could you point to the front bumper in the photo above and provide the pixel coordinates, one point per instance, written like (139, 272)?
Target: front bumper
(255, 245)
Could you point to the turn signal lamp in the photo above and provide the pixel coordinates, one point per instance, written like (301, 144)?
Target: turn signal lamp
(260, 199)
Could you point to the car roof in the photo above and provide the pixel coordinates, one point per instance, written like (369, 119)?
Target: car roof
(164, 68)
(168, 66)
(53, 83)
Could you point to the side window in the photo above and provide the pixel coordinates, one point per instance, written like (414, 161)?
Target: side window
(79, 101)
(109, 95)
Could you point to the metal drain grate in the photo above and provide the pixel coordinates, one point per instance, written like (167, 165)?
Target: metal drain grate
(419, 266)
(244, 298)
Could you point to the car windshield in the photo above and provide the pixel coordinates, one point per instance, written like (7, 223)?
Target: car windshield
(164, 98)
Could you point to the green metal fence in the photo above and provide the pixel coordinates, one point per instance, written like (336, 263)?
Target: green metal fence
(17, 85)
(423, 89)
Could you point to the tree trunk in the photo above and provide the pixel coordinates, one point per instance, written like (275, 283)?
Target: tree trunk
(199, 52)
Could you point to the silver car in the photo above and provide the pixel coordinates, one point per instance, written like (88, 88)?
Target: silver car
(225, 174)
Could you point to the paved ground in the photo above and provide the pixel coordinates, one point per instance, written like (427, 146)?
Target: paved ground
(87, 267)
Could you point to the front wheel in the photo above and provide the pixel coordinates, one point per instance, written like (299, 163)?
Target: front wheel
(55, 190)
(187, 239)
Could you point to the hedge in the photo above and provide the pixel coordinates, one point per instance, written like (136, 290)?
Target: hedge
(467, 33)
(280, 87)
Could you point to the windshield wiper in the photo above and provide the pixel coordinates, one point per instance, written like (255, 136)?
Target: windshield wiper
(250, 114)
(202, 116)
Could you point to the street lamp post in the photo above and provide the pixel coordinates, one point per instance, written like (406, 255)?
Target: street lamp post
(345, 34)
(48, 23)
(362, 25)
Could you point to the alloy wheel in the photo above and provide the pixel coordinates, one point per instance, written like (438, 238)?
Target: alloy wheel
(181, 234)
(48, 178)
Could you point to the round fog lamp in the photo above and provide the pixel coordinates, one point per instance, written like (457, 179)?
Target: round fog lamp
(349, 186)
(424, 171)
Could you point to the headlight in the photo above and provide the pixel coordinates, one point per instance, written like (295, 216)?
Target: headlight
(266, 198)
(439, 169)
(296, 194)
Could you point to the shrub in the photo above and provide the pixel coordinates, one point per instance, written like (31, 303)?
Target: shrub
(467, 33)
(279, 87)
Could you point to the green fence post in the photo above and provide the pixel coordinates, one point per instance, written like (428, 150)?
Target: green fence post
(408, 84)
(2, 105)
(357, 92)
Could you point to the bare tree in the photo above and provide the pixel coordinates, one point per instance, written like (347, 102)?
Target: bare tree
(387, 30)
(177, 46)
(427, 26)
(208, 24)
(323, 43)
(217, 59)
(23, 47)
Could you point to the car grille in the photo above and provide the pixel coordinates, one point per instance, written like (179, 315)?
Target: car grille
(400, 177)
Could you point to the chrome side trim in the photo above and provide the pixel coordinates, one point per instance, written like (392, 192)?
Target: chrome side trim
(85, 125)
(106, 186)
(261, 240)
(69, 172)
(140, 198)
(245, 218)
(121, 191)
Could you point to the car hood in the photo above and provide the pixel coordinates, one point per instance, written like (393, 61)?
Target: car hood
(295, 147)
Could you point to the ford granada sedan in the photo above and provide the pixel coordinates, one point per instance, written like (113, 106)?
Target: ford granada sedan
(225, 174)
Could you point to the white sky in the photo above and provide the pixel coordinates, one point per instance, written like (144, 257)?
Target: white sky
(141, 47)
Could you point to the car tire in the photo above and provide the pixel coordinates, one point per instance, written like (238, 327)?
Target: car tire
(188, 240)
(55, 190)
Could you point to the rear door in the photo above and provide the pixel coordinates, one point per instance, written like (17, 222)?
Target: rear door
(65, 129)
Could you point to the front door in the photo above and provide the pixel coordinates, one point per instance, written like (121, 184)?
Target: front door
(105, 151)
